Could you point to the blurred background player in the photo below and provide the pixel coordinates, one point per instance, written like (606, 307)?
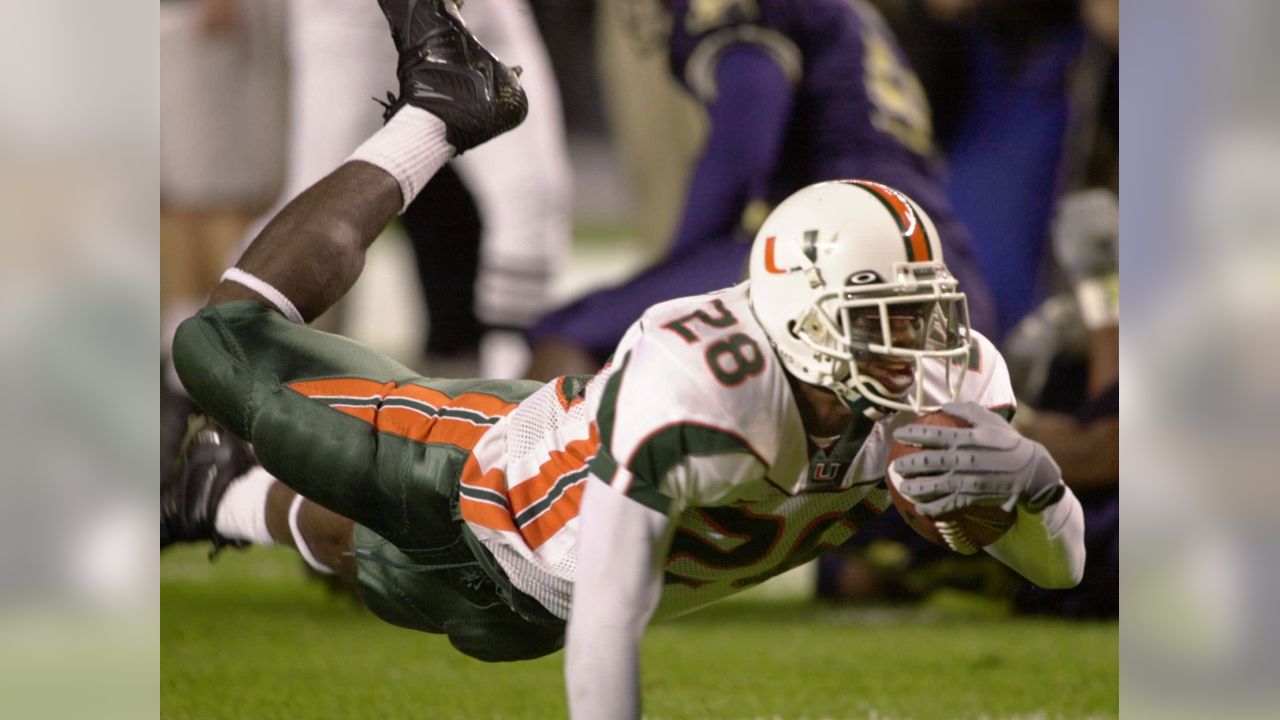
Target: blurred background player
(795, 93)
(655, 127)
(1009, 80)
(1075, 391)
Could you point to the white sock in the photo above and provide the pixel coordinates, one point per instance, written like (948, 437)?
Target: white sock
(411, 148)
(242, 513)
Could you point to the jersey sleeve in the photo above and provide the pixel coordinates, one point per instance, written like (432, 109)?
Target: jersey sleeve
(987, 380)
(667, 439)
(703, 30)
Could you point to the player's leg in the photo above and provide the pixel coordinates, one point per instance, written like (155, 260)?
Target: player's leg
(237, 358)
(433, 583)
(454, 95)
(217, 492)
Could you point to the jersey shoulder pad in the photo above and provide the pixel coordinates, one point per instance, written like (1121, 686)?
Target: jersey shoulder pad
(700, 363)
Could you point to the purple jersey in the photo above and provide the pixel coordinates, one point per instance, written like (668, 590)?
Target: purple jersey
(858, 109)
(797, 91)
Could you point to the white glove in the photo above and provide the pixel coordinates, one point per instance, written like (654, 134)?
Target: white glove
(987, 464)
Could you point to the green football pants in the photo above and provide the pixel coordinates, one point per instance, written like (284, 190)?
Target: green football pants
(367, 438)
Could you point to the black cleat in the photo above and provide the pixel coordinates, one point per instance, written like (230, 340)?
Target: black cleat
(444, 70)
(208, 460)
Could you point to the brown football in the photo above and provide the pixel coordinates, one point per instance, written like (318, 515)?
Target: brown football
(965, 531)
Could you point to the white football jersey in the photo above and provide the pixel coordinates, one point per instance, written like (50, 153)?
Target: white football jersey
(693, 417)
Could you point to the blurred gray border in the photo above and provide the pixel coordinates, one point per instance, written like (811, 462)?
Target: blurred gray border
(79, 327)
(1200, 268)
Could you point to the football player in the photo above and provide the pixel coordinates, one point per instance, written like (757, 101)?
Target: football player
(733, 435)
(795, 93)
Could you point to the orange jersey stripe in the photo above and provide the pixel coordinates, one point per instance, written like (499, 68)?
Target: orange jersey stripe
(555, 518)
(421, 425)
(485, 514)
(354, 387)
(559, 462)
(494, 480)
(414, 425)
(347, 387)
(482, 403)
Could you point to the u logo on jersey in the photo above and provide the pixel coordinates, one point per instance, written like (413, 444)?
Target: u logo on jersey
(825, 473)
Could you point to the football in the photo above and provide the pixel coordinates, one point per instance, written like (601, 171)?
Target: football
(965, 531)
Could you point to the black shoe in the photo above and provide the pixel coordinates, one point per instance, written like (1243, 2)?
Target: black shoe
(208, 460)
(444, 70)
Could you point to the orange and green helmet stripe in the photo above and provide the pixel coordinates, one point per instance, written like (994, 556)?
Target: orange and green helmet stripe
(915, 239)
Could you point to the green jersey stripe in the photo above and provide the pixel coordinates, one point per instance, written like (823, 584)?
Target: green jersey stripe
(1005, 411)
(565, 482)
(483, 495)
(666, 448)
(433, 411)
(607, 414)
(409, 404)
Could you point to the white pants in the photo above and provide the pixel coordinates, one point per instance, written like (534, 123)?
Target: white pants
(341, 57)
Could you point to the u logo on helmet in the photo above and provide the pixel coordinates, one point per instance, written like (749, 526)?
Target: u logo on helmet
(810, 249)
(770, 263)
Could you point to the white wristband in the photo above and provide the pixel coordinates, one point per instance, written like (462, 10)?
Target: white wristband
(266, 290)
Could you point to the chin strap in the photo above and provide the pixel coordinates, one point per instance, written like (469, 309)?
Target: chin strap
(864, 407)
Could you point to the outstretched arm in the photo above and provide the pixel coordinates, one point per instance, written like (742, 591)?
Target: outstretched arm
(990, 464)
(616, 589)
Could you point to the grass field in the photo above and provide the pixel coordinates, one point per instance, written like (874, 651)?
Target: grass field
(249, 637)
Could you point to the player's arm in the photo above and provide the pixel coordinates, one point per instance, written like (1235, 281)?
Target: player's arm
(990, 463)
(748, 95)
(1046, 547)
(618, 582)
(665, 444)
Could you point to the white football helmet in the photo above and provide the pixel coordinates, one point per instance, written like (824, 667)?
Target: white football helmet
(848, 282)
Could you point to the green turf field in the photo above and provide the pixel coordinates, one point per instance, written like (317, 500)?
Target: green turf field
(250, 637)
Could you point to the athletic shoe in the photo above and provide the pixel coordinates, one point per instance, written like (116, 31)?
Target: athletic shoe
(208, 460)
(444, 70)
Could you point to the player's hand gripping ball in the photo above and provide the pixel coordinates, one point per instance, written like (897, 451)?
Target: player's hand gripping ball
(957, 475)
